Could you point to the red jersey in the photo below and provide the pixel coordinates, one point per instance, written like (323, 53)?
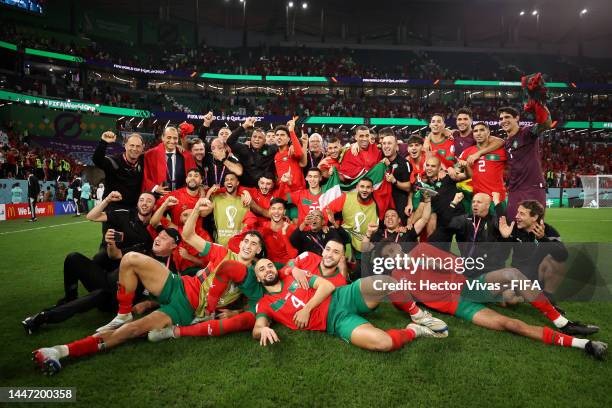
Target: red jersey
(282, 306)
(311, 262)
(445, 151)
(417, 169)
(328, 164)
(263, 200)
(305, 202)
(353, 166)
(180, 262)
(437, 298)
(278, 246)
(488, 171)
(213, 254)
(185, 202)
(284, 163)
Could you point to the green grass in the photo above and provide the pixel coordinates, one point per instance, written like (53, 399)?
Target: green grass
(473, 366)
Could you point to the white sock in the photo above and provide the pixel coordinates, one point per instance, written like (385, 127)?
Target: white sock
(62, 350)
(124, 316)
(579, 343)
(560, 321)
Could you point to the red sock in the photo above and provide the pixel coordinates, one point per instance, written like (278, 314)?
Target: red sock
(543, 305)
(399, 337)
(125, 300)
(226, 272)
(83, 347)
(214, 328)
(549, 336)
(408, 307)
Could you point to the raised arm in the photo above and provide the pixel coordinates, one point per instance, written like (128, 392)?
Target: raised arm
(97, 213)
(232, 140)
(170, 201)
(189, 234)
(99, 156)
(298, 152)
(234, 167)
(421, 223)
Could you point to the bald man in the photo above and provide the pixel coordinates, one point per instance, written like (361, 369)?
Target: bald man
(477, 234)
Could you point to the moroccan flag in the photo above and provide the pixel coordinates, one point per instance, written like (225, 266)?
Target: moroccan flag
(382, 188)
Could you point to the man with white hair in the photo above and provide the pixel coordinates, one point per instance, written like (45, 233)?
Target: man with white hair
(314, 153)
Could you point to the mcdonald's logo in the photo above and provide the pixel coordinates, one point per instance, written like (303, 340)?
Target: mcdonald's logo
(11, 211)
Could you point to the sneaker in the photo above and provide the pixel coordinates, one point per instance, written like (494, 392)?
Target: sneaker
(33, 220)
(205, 318)
(596, 349)
(432, 323)
(48, 360)
(116, 323)
(422, 331)
(158, 335)
(577, 328)
(33, 323)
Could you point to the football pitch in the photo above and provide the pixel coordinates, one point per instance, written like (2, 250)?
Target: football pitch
(472, 367)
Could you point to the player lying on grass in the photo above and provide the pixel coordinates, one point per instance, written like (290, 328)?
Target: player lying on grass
(331, 266)
(179, 297)
(323, 307)
(467, 303)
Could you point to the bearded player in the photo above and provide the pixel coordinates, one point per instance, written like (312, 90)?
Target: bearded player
(323, 307)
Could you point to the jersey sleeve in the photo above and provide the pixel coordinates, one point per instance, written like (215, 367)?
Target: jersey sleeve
(263, 310)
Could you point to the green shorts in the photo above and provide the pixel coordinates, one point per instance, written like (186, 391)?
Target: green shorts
(471, 300)
(173, 301)
(345, 308)
(191, 271)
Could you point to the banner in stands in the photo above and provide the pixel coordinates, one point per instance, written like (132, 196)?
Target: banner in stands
(64, 207)
(57, 124)
(180, 116)
(22, 210)
(139, 70)
(81, 150)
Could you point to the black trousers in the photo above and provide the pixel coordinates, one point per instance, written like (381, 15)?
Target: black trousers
(99, 276)
(92, 273)
(32, 204)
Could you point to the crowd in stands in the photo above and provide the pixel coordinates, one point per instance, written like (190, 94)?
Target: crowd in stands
(322, 62)
(18, 155)
(565, 157)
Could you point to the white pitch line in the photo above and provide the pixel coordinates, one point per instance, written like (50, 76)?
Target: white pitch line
(582, 220)
(39, 228)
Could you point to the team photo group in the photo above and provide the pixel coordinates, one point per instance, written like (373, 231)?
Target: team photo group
(256, 227)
